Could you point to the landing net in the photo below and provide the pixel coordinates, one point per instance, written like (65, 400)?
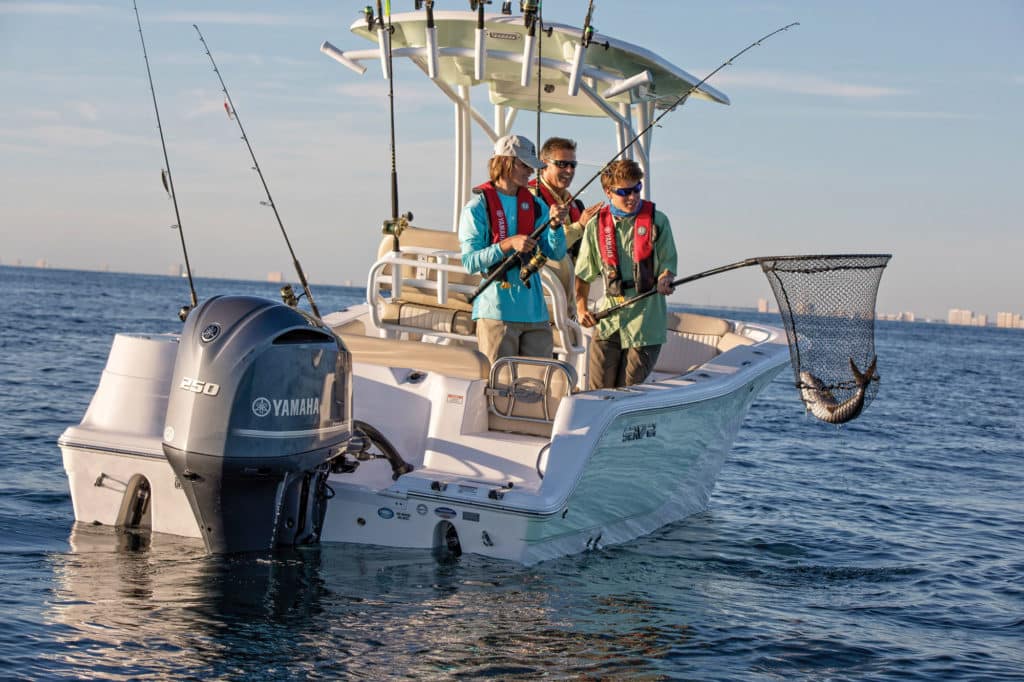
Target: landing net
(827, 304)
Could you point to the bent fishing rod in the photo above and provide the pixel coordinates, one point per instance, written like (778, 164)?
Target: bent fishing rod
(233, 113)
(501, 270)
(165, 175)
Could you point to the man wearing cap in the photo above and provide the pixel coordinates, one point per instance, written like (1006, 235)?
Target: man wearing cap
(511, 318)
(629, 245)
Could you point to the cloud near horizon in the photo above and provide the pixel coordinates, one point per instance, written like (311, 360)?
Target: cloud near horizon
(51, 8)
(807, 85)
(238, 18)
(63, 136)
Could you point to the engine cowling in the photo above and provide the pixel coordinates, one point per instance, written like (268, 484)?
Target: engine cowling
(260, 402)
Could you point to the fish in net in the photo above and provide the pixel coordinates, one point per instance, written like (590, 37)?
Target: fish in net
(827, 304)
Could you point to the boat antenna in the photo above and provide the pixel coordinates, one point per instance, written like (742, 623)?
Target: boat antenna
(165, 175)
(229, 106)
(501, 270)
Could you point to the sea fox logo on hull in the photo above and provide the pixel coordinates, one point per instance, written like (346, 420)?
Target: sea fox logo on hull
(286, 407)
(823, 405)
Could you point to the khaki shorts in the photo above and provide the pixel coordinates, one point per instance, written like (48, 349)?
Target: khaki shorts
(497, 339)
(612, 366)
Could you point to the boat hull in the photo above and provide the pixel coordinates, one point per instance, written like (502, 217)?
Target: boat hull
(618, 464)
(649, 467)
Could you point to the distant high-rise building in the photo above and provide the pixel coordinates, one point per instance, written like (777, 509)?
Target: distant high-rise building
(1010, 320)
(958, 316)
(762, 305)
(275, 276)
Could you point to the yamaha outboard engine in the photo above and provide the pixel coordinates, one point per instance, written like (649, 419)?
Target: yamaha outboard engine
(260, 402)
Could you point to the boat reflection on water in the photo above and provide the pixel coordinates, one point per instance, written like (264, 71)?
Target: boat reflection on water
(134, 605)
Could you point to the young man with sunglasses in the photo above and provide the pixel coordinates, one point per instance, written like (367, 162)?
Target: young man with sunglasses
(559, 154)
(629, 245)
(511, 318)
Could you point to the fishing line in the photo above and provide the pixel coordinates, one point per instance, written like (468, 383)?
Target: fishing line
(233, 113)
(165, 175)
(502, 269)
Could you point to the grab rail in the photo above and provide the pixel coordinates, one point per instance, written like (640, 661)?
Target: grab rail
(567, 331)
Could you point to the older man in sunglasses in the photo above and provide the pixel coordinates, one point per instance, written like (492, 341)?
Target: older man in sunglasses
(629, 245)
(559, 155)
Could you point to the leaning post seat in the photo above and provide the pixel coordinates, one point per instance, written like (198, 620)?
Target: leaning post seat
(523, 393)
(424, 289)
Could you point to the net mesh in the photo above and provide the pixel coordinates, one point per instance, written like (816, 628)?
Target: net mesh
(827, 304)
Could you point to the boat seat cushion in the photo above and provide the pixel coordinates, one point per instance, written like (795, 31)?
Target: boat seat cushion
(693, 340)
(524, 394)
(429, 318)
(697, 325)
(730, 340)
(452, 361)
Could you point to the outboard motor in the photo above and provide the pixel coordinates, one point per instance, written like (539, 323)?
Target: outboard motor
(260, 402)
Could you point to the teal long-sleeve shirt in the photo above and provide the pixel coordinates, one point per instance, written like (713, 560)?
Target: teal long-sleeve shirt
(517, 303)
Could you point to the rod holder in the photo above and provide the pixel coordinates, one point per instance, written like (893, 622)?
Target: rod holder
(432, 52)
(577, 69)
(527, 59)
(621, 86)
(479, 55)
(384, 42)
(339, 56)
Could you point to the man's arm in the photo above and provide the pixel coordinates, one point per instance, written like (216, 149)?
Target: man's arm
(478, 253)
(667, 258)
(583, 314)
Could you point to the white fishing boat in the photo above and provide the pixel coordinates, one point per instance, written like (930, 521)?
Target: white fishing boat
(256, 427)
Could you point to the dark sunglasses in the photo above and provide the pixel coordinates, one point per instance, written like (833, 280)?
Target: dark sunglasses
(626, 191)
(564, 164)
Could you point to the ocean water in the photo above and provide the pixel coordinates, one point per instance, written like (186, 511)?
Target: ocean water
(890, 548)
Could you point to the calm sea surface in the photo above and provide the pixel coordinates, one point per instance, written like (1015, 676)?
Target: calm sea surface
(891, 548)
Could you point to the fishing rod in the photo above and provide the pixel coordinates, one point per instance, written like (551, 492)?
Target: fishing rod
(229, 105)
(165, 175)
(747, 262)
(501, 270)
(397, 223)
(532, 17)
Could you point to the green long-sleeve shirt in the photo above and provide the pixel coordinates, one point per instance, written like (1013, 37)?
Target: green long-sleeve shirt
(643, 323)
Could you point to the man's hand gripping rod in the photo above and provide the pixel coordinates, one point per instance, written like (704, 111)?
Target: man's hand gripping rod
(501, 271)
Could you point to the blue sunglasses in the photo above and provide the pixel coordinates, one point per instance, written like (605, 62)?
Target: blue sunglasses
(626, 191)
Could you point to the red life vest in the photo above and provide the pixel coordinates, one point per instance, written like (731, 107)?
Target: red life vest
(644, 275)
(575, 208)
(575, 211)
(525, 218)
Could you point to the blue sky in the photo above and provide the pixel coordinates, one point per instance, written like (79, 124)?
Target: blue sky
(871, 127)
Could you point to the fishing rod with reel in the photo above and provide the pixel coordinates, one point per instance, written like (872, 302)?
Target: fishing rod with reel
(166, 178)
(533, 18)
(397, 223)
(501, 270)
(229, 105)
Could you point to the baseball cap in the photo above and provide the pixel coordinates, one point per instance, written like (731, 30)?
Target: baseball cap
(519, 147)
